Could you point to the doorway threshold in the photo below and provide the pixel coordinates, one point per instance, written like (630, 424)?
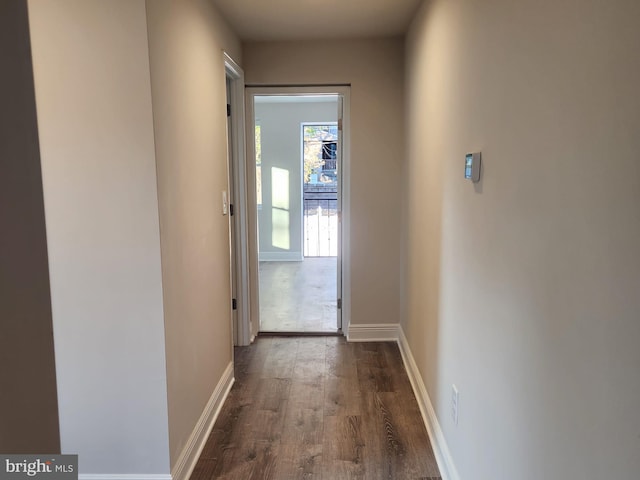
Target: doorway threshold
(337, 333)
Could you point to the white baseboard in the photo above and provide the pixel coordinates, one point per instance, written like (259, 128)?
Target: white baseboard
(193, 448)
(123, 476)
(383, 332)
(447, 468)
(281, 256)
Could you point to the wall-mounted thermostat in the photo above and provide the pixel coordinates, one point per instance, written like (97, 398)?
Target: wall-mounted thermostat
(472, 163)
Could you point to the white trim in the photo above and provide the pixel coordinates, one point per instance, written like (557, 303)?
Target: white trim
(252, 214)
(193, 448)
(281, 257)
(231, 67)
(383, 332)
(123, 476)
(447, 468)
(241, 218)
(296, 99)
(344, 205)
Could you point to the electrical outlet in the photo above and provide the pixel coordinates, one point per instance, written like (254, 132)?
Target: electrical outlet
(455, 399)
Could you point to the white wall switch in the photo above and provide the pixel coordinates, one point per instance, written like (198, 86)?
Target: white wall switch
(472, 166)
(225, 203)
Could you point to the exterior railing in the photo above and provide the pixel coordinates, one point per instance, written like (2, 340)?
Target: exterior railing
(330, 165)
(320, 206)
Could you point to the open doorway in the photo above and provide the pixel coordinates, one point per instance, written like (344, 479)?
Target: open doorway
(298, 148)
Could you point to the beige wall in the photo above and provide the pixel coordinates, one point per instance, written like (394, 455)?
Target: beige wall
(374, 69)
(186, 40)
(523, 290)
(93, 98)
(28, 408)
(119, 287)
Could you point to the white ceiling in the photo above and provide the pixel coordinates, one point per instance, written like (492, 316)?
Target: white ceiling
(261, 20)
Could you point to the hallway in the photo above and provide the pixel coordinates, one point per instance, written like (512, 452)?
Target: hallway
(129, 129)
(318, 408)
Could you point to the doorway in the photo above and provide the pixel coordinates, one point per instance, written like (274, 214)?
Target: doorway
(299, 152)
(320, 189)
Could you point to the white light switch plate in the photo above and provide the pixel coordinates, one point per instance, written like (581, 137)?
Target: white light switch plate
(225, 203)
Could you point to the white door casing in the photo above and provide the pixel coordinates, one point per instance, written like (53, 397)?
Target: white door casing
(343, 261)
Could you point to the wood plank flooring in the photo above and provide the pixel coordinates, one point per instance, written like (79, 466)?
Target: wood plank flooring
(318, 408)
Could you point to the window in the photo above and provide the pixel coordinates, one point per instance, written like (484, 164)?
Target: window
(320, 153)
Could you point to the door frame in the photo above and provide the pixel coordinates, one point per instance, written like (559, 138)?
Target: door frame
(344, 194)
(241, 321)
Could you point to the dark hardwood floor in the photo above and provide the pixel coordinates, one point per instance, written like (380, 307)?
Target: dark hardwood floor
(318, 408)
